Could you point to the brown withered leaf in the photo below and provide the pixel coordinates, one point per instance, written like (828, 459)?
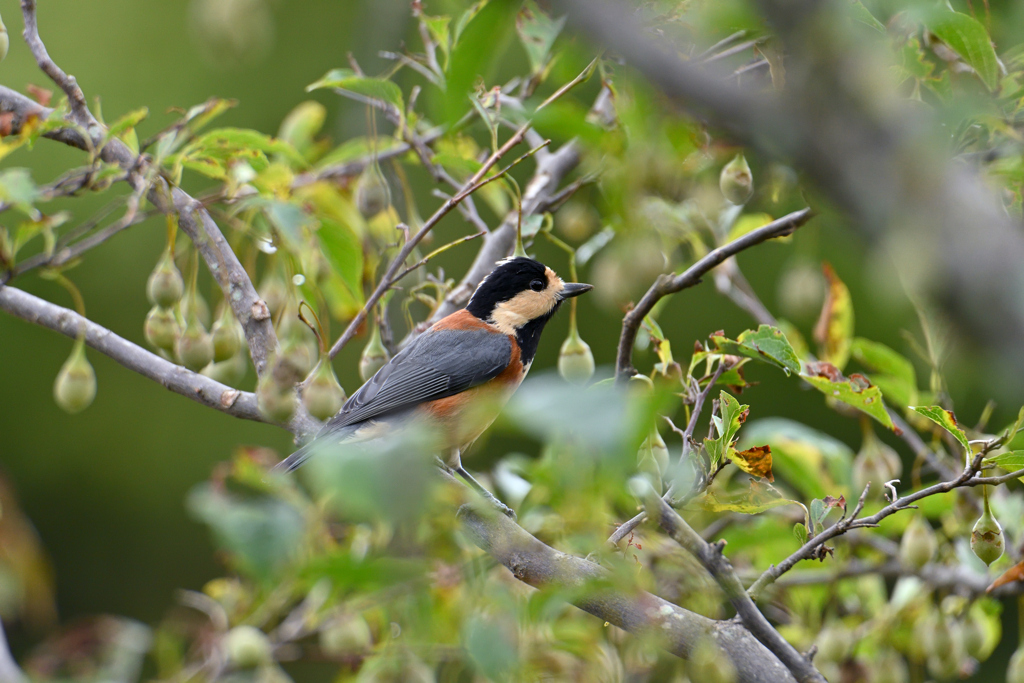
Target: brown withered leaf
(833, 502)
(825, 369)
(40, 95)
(1014, 573)
(756, 461)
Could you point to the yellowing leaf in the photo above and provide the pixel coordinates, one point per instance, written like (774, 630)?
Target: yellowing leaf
(855, 390)
(945, 419)
(834, 330)
(756, 461)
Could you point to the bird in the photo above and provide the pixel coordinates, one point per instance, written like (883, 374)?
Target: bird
(457, 375)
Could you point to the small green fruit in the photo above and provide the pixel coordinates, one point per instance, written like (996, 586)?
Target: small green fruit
(918, 544)
(346, 635)
(1015, 671)
(227, 336)
(274, 293)
(876, 463)
(323, 395)
(736, 181)
(889, 668)
(659, 451)
(162, 329)
(247, 647)
(5, 41)
(987, 536)
(194, 349)
(275, 394)
(372, 193)
(165, 286)
(231, 371)
(374, 356)
(576, 221)
(75, 386)
(834, 643)
(575, 361)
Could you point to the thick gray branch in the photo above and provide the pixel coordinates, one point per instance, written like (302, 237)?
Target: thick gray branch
(638, 612)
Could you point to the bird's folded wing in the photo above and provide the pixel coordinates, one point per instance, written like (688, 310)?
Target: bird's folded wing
(437, 365)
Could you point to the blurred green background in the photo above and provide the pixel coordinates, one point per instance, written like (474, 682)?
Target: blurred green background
(105, 489)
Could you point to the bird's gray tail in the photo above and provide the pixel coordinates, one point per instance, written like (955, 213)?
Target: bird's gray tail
(295, 460)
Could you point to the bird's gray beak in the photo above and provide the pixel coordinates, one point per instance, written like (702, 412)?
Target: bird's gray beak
(572, 289)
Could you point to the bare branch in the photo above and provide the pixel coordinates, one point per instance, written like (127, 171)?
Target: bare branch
(667, 284)
(192, 385)
(63, 81)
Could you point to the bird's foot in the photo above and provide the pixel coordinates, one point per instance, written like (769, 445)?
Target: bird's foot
(490, 497)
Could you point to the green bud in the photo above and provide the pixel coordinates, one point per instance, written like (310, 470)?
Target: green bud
(231, 371)
(944, 649)
(162, 329)
(5, 41)
(194, 349)
(247, 647)
(275, 394)
(374, 356)
(834, 643)
(987, 536)
(227, 336)
(575, 361)
(346, 635)
(323, 395)
(648, 466)
(736, 181)
(659, 451)
(274, 293)
(372, 193)
(889, 667)
(1015, 672)
(876, 463)
(75, 386)
(165, 286)
(576, 221)
(918, 545)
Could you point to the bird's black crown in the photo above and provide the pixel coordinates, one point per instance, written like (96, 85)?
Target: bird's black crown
(511, 277)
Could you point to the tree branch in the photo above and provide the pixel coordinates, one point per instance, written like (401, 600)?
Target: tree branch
(192, 385)
(712, 559)
(667, 284)
(638, 612)
(9, 670)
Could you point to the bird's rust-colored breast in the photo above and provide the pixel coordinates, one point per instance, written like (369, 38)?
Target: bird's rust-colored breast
(466, 415)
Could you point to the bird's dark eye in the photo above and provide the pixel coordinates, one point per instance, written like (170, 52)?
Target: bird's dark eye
(537, 285)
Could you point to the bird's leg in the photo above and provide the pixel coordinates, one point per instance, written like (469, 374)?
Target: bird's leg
(455, 463)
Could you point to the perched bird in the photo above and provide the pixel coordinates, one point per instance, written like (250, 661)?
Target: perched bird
(457, 375)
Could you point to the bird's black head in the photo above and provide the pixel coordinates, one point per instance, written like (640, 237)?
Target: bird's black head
(519, 297)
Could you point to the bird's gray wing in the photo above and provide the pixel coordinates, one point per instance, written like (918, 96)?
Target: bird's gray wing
(436, 365)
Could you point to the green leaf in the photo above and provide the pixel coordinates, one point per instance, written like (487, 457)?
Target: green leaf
(45, 226)
(358, 148)
(855, 390)
(757, 498)
(537, 33)
(864, 16)
(18, 189)
(127, 122)
(344, 251)
(481, 37)
(228, 142)
(969, 39)
(439, 32)
(378, 89)
(834, 330)
(261, 534)
(767, 344)
(947, 420)
(290, 221)
(897, 378)
(732, 415)
(1011, 461)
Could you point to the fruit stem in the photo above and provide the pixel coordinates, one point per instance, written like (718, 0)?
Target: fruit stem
(76, 296)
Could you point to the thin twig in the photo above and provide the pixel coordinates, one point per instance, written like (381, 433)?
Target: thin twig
(667, 284)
